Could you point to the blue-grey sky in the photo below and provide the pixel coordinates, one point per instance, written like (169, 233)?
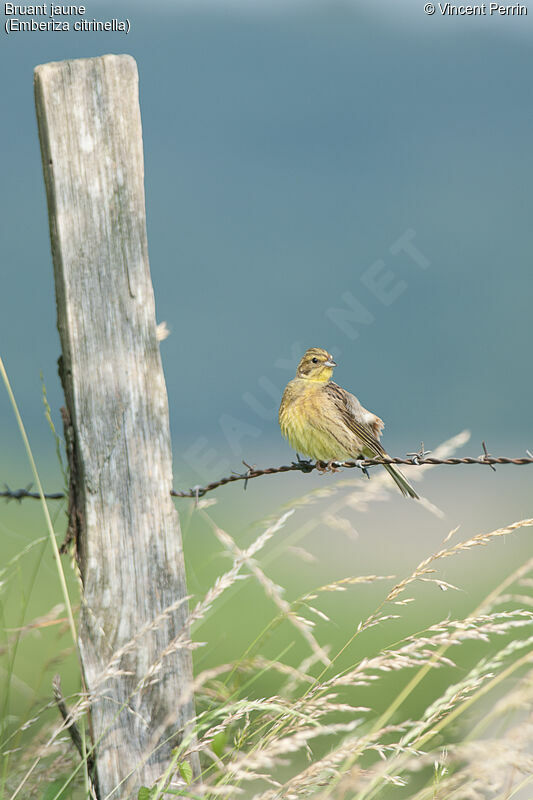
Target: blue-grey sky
(355, 176)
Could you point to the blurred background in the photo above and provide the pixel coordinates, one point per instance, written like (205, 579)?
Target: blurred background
(288, 148)
(350, 175)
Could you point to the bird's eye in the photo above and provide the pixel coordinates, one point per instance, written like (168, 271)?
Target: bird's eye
(314, 360)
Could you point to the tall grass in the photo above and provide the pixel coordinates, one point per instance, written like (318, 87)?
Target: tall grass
(309, 706)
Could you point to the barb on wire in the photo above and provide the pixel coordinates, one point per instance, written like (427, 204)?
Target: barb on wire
(486, 457)
(419, 459)
(22, 494)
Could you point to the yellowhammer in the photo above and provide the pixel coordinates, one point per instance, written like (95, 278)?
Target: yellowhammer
(327, 423)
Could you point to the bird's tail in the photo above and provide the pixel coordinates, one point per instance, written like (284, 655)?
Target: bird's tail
(401, 482)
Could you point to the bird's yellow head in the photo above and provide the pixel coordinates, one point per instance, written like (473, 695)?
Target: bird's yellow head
(316, 365)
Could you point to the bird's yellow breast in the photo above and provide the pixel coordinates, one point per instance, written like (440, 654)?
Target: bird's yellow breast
(305, 422)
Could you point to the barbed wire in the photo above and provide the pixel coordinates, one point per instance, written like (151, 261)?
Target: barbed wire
(418, 459)
(23, 494)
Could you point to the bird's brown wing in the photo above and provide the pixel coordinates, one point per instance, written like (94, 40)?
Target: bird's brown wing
(363, 424)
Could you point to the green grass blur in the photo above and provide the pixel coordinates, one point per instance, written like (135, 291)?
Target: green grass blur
(389, 538)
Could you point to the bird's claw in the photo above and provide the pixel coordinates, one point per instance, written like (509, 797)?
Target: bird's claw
(329, 466)
(360, 463)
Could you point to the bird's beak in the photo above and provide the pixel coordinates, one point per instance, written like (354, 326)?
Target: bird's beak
(330, 363)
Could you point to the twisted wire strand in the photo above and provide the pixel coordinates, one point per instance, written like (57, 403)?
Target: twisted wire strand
(412, 460)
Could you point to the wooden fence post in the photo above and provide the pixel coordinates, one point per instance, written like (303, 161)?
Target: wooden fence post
(133, 631)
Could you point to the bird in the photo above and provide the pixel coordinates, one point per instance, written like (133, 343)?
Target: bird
(325, 422)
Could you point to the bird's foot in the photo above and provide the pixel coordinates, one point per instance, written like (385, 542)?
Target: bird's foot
(305, 464)
(329, 466)
(360, 462)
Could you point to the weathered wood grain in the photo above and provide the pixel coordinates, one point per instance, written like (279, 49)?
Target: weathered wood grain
(129, 547)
